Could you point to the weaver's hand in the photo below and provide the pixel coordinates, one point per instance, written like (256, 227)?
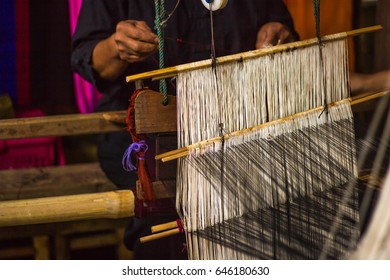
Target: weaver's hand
(135, 41)
(272, 34)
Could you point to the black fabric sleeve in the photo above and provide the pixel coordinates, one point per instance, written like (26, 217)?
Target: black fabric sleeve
(97, 21)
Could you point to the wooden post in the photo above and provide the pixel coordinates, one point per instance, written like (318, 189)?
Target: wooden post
(42, 247)
(109, 205)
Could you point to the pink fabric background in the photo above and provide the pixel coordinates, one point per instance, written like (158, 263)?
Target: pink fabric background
(86, 95)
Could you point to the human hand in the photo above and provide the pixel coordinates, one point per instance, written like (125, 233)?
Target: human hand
(135, 41)
(273, 33)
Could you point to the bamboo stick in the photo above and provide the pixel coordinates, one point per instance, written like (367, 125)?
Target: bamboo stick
(182, 152)
(164, 227)
(369, 96)
(159, 235)
(174, 70)
(159, 157)
(107, 205)
(174, 156)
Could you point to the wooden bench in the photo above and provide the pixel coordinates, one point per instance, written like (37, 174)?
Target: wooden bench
(58, 240)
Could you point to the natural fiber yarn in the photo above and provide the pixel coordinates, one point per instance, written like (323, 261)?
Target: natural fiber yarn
(234, 183)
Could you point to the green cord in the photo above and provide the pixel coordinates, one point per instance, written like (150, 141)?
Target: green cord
(316, 6)
(160, 15)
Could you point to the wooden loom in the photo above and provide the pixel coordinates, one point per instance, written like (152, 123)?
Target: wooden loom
(111, 205)
(174, 227)
(158, 74)
(113, 117)
(148, 105)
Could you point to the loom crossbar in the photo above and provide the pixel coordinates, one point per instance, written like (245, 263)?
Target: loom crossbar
(182, 152)
(173, 71)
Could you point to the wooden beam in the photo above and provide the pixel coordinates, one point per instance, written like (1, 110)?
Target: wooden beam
(65, 180)
(42, 247)
(93, 241)
(173, 71)
(23, 252)
(109, 205)
(159, 235)
(53, 181)
(62, 125)
(151, 116)
(62, 228)
(164, 189)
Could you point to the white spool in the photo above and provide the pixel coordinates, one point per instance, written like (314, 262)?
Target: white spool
(215, 5)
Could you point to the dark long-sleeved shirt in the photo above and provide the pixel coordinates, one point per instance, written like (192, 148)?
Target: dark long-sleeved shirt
(187, 35)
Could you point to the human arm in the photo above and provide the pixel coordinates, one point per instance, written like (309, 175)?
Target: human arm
(362, 83)
(133, 41)
(95, 50)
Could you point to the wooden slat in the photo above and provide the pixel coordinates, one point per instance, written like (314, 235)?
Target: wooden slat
(61, 228)
(93, 241)
(22, 252)
(62, 125)
(159, 235)
(163, 227)
(151, 116)
(164, 189)
(61, 246)
(42, 247)
(53, 181)
(65, 180)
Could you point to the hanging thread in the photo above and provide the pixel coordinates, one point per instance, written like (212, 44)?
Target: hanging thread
(160, 20)
(317, 10)
(136, 147)
(317, 19)
(248, 189)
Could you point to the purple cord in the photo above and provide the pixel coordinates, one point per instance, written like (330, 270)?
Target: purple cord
(136, 147)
